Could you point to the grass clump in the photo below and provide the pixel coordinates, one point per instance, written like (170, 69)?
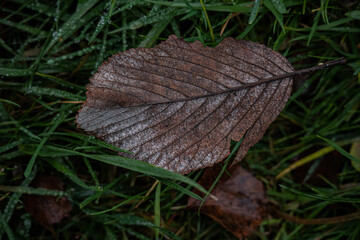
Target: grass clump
(50, 49)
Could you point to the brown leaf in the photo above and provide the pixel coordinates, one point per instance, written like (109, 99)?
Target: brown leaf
(241, 203)
(179, 104)
(47, 210)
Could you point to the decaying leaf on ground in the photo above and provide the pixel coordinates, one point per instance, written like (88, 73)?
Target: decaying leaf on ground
(47, 210)
(240, 203)
(178, 105)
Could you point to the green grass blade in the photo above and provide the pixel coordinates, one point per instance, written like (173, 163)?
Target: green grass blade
(27, 131)
(4, 225)
(269, 5)
(104, 19)
(314, 26)
(157, 209)
(32, 191)
(250, 27)
(139, 166)
(40, 91)
(155, 32)
(22, 27)
(180, 188)
(71, 24)
(116, 206)
(340, 150)
(322, 197)
(59, 118)
(353, 14)
(161, 16)
(145, 168)
(6, 47)
(15, 198)
(129, 219)
(9, 72)
(90, 139)
(99, 193)
(208, 21)
(61, 167)
(9, 146)
(241, 7)
(46, 151)
(355, 151)
(279, 5)
(254, 11)
(10, 102)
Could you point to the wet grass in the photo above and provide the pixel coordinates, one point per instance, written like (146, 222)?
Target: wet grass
(49, 50)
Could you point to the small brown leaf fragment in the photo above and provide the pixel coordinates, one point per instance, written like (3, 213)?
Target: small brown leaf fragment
(241, 204)
(178, 105)
(47, 210)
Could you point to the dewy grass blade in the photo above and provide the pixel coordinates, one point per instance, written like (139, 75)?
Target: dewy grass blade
(27, 131)
(9, 72)
(157, 209)
(241, 7)
(59, 118)
(155, 32)
(91, 139)
(269, 5)
(47, 151)
(22, 27)
(100, 57)
(15, 198)
(60, 80)
(71, 175)
(10, 146)
(254, 11)
(139, 166)
(116, 206)
(4, 225)
(129, 219)
(91, 171)
(340, 149)
(68, 26)
(355, 151)
(6, 47)
(322, 197)
(32, 191)
(54, 93)
(104, 19)
(314, 26)
(180, 188)
(143, 167)
(353, 14)
(99, 193)
(162, 16)
(19, 126)
(279, 5)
